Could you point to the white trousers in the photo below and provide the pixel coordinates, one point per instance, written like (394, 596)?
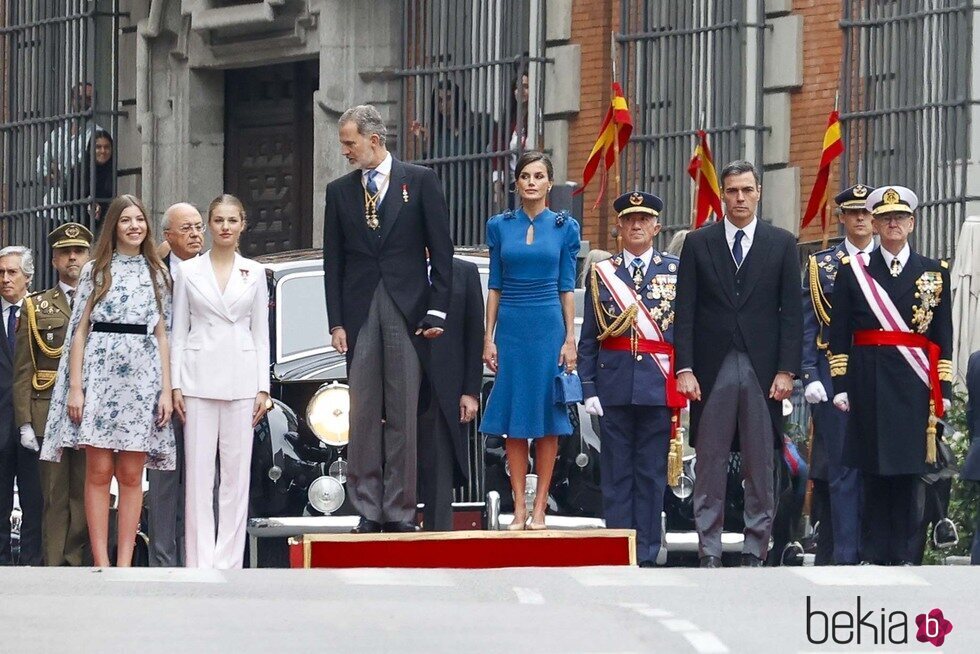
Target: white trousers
(222, 427)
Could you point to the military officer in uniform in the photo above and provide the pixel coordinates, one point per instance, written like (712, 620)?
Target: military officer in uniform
(836, 487)
(64, 534)
(626, 365)
(891, 342)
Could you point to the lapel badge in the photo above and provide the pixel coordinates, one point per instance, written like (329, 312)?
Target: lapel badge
(44, 304)
(827, 258)
(840, 254)
(618, 261)
(244, 272)
(657, 259)
(49, 337)
(672, 267)
(404, 192)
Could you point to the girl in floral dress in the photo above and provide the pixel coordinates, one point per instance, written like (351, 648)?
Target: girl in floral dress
(113, 391)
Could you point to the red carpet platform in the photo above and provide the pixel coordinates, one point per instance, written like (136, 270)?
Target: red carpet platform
(465, 549)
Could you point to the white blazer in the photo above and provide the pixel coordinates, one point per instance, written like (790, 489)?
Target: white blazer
(220, 342)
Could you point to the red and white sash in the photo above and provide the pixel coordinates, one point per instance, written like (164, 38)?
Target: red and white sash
(889, 318)
(625, 296)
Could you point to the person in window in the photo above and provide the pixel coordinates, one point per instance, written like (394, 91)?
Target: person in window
(220, 363)
(112, 394)
(515, 140)
(530, 333)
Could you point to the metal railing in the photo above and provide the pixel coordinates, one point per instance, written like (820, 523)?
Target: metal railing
(58, 92)
(472, 98)
(686, 64)
(905, 99)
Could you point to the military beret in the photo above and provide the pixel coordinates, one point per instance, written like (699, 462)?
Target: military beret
(638, 202)
(853, 198)
(70, 235)
(887, 199)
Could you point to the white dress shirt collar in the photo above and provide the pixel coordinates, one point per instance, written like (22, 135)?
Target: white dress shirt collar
(65, 288)
(383, 168)
(853, 250)
(5, 312)
(747, 239)
(902, 256)
(645, 258)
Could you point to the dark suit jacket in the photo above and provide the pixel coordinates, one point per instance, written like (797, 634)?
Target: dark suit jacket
(761, 301)
(8, 429)
(413, 217)
(456, 357)
(971, 467)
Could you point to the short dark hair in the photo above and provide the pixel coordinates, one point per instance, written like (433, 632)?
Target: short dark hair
(529, 158)
(738, 167)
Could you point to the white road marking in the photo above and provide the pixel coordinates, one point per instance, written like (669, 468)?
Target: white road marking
(865, 575)
(655, 613)
(624, 576)
(528, 595)
(394, 577)
(705, 642)
(679, 624)
(164, 575)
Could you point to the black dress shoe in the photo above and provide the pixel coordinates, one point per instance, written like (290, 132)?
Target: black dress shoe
(710, 562)
(648, 564)
(402, 527)
(752, 561)
(366, 526)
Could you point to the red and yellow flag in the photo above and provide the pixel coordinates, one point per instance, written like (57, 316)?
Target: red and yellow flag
(833, 147)
(702, 171)
(613, 137)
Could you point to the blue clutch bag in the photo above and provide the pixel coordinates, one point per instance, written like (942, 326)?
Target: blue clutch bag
(568, 388)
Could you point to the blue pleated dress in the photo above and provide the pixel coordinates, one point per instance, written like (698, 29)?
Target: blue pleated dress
(530, 329)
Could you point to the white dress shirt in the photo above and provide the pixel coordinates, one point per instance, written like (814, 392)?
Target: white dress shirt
(853, 250)
(747, 239)
(902, 256)
(384, 173)
(645, 258)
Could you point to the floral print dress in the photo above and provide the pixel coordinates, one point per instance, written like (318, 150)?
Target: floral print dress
(121, 374)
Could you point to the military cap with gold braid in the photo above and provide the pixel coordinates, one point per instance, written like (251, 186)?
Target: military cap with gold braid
(854, 198)
(70, 235)
(888, 199)
(638, 202)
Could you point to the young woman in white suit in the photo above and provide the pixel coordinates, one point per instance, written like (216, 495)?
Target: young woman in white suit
(220, 363)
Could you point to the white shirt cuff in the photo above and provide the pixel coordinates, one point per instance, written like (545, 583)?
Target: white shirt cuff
(437, 314)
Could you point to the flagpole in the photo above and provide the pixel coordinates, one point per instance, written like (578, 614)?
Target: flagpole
(826, 193)
(613, 50)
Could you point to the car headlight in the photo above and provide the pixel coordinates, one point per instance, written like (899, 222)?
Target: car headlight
(326, 494)
(328, 414)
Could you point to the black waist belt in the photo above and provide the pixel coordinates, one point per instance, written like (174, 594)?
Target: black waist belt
(119, 328)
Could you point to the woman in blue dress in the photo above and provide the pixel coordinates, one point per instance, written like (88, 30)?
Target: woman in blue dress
(530, 330)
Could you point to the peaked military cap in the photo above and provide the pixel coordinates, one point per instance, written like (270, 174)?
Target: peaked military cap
(638, 202)
(852, 198)
(70, 235)
(887, 199)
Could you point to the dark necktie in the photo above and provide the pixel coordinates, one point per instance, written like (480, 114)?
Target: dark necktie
(737, 248)
(638, 272)
(11, 326)
(372, 183)
(71, 299)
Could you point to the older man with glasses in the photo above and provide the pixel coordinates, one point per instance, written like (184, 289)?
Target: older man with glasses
(183, 229)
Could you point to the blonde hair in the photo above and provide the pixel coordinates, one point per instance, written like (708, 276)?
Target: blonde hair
(227, 198)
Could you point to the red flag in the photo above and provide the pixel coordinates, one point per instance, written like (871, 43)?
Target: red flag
(833, 147)
(702, 171)
(617, 122)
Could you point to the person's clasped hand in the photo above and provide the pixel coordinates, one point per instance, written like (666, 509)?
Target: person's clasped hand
(593, 406)
(815, 393)
(28, 438)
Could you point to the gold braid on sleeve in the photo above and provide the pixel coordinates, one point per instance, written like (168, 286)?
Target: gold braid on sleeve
(820, 304)
(42, 380)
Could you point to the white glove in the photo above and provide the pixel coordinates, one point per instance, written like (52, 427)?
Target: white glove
(840, 401)
(593, 407)
(947, 405)
(815, 392)
(28, 439)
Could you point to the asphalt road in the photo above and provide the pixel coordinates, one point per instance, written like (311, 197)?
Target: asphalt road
(509, 610)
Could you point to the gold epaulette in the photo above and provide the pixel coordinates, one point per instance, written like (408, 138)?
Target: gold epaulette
(945, 369)
(820, 304)
(838, 364)
(944, 264)
(845, 260)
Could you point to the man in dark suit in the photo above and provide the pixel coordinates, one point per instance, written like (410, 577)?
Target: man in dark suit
(971, 465)
(456, 365)
(891, 343)
(738, 339)
(183, 229)
(383, 307)
(836, 487)
(16, 461)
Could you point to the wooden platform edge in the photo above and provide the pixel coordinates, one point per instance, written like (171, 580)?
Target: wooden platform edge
(471, 535)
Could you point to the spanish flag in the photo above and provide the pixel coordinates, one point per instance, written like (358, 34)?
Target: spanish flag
(702, 171)
(618, 123)
(833, 147)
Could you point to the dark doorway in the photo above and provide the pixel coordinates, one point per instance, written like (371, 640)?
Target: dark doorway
(269, 153)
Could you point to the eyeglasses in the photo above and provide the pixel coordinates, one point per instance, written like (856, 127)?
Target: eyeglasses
(187, 229)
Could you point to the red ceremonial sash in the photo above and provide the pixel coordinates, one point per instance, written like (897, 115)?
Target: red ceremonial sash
(908, 339)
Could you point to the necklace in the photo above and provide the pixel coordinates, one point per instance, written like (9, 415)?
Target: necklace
(371, 205)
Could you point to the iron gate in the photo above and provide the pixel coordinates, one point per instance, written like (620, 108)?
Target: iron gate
(687, 64)
(905, 93)
(57, 89)
(472, 98)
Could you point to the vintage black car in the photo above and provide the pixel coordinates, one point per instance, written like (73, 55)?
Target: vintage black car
(299, 451)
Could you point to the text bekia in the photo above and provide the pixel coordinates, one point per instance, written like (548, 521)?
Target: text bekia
(874, 626)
